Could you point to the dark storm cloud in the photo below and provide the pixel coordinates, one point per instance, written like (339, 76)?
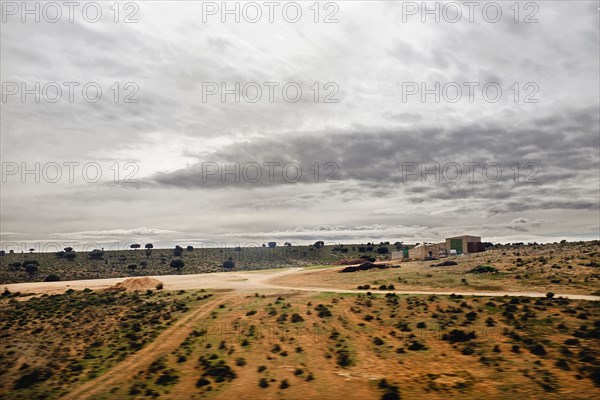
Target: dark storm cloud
(378, 156)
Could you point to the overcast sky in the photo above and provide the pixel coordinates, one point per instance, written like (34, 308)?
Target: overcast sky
(372, 141)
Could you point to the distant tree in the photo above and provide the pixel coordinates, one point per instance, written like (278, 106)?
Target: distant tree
(264, 245)
(190, 248)
(287, 244)
(31, 250)
(149, 246)
(178, 251)
(272, 244)
(319, 244)
(177, 264)
(370, 248)
(2, 253)
(132, 267)
(96, 254)
(135, 246)
(70, 255)
(59, 254)
(68, 249)
(11, 251)
(229, 264)
(383, 250)
(31, 269)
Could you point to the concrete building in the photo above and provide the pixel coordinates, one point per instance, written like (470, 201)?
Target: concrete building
(425, 250)
(464, 244)
(400, 255)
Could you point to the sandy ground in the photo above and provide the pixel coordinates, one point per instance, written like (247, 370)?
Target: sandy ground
(251, 282)
(239, 281)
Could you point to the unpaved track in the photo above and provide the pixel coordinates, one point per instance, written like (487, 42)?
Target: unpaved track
(253, 281)
(165, 343)
(245, 280)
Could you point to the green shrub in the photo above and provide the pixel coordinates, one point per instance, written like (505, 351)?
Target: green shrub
(297, 318)
(457, 335)
(263, 383)
(202, 382)
(323, 311)
(483, 269)
(240, 362)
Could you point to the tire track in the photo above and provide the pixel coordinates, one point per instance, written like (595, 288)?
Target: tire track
(164, 344)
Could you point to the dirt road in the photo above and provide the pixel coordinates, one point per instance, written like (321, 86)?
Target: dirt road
(252, 281)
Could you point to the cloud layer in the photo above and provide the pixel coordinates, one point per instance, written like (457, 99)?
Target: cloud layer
(357, 155)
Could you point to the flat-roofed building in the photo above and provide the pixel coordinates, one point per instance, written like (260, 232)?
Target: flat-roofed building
(425, 250)
(464, 244)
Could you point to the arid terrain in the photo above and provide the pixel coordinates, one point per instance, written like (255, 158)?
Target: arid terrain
(412, 330)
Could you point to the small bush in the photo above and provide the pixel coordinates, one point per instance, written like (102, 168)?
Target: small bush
(297, 318)
(457, 335)
(483, 269)
(323, 311)
(377, 341)
(263, 383)
(240, 362)
(202, 382)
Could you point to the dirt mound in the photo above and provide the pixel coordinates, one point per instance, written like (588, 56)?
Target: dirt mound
(137, 284)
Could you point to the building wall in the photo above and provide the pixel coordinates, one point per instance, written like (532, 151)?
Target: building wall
(470, 244)
(422, 251)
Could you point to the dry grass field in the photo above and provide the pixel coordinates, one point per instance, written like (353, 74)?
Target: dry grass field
(295, 346)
